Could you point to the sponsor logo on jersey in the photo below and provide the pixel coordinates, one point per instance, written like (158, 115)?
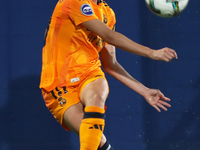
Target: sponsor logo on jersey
(86, 9)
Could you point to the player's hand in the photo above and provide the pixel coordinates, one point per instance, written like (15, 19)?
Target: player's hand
(165, 54)
(156, 99)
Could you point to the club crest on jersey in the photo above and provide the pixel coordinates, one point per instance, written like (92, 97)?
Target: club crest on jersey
(86, 10)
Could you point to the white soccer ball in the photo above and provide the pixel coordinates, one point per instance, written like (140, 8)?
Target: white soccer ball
(167, 8)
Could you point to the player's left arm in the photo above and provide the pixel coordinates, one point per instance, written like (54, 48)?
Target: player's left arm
(122, 42)
(110, 65)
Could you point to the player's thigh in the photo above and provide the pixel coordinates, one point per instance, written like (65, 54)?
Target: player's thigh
(61, 99)
(95, 93)
(73, 116)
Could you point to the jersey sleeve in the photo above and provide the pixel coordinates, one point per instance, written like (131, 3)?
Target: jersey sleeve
(112, 21)
(80, 11)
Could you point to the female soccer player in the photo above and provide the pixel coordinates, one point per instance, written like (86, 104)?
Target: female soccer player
(73, 84)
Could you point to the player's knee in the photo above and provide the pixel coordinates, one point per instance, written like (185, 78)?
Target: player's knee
(95, 94)
(99, 97)
(96, 98)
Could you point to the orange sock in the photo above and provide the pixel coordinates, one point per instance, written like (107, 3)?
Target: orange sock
(91, 128)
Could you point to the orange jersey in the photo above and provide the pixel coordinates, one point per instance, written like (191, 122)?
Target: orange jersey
(71, 51)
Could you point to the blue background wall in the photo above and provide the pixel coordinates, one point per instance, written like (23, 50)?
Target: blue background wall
(131, 124)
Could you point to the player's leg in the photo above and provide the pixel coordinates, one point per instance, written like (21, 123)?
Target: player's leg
(93, 97)
(67, 109)
(72, 119)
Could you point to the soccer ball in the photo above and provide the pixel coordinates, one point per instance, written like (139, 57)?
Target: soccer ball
(167, 8)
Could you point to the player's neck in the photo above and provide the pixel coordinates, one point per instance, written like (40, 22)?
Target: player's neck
(95, 1)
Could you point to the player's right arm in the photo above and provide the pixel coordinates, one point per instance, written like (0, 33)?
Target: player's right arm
(110, 65)
(122, 42)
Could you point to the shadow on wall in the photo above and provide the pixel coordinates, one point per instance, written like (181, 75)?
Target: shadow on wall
(27, 123)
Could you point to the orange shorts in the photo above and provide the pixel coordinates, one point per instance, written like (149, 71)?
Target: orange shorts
(61, 98)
